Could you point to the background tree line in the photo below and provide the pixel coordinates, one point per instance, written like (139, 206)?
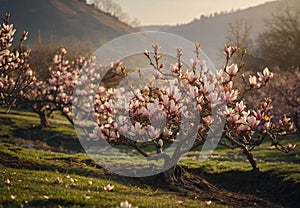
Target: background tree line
(114, 9)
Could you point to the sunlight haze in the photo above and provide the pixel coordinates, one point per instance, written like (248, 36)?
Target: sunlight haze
(171, 12)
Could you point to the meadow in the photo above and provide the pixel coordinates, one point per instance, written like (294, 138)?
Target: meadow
(32, 160)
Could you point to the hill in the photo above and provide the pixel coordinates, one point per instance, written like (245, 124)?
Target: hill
(63, 21)
(212, 32)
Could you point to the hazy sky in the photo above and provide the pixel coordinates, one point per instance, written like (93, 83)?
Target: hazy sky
(160, 12)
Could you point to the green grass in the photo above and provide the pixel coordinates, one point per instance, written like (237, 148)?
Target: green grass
(285, 165)
(33, 172)
(25, 125)
(14, 119)
(38, 188)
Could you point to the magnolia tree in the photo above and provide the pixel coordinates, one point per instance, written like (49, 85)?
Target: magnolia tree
(16, 77)
(176, 106)
(286, 94)
(54, 94)
(20, 88)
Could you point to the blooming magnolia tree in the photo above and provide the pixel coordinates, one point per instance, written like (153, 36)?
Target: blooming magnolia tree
(19, 87)
(54, 94)
(288, 96)
(16, 77)
(181, 104)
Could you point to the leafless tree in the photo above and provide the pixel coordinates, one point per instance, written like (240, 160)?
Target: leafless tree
(280, 44)
(114, 9)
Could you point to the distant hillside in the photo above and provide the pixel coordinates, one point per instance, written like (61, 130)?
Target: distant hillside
(63, 21)
(212, 32)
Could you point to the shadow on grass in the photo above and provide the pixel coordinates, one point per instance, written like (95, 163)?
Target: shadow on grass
(54, 139)
(266, 185)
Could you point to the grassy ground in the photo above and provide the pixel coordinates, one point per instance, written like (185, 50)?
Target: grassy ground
(32, 160)
(33, 176)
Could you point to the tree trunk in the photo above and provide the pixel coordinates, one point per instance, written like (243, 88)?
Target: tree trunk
(296, 121)
(176, 179)
(251, 160)
(172, 175)
(44, 121)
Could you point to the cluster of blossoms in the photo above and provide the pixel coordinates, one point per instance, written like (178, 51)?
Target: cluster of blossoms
(56, 93)
(15, 74)
(89, 92)
(180, 103)
(286, 94)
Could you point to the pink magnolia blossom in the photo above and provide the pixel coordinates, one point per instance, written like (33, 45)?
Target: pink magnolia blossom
(126, 204)
(252, 121)
(229, 51)
(89, 183)
(228, 111)
(167, 132)
(7, 182)
(240, 107)
(267, 126)
(160, 142)
(291, 147)
(265, 76)
(258, 114)
(58, 180)
(232, 70)
(242, 128)
(156, 47)
(208, 120)
(153, 133)
(108, 187)
(252, 81)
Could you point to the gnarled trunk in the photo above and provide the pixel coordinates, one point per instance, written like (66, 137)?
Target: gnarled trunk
(177, 179)
(173, 174)
(44, 121)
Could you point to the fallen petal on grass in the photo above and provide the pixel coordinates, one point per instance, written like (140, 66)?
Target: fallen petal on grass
(126, 204)
(109, 187)
(7, 182)
(208, 202)
(58, 180)
(90, 183)
(46, 197)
